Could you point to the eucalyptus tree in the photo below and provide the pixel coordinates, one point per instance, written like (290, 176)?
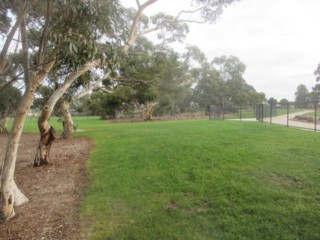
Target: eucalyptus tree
(135, 25)
(315, 93)
(10, 194)
(157, 77)
(316, 89)
(168, 28)
(272, 101)
(210, 88)
(284, 102)
(221, 83)
(231, 71)
(302, 96)
(79, 52)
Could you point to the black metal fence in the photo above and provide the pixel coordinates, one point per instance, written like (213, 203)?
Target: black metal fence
(303, 115)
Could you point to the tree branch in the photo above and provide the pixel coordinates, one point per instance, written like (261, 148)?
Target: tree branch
(138, 3)
(191, 11)
(17, 77)
(89, 90)
(103, 89)
(46, 68)
(67, 83)
(7, 43)
(133, 30)
(25, 53)
(44, 36)
(150, 30)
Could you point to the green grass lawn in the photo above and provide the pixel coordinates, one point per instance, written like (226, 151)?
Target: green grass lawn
(201, 179)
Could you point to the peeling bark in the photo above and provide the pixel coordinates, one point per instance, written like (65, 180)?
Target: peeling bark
(67, 118)
(46, 139)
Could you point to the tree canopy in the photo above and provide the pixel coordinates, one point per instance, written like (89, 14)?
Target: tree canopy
(302, 96)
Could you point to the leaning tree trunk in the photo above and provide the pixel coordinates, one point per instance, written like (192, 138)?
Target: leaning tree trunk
(46, 138)
(67, 120)
(46, 131)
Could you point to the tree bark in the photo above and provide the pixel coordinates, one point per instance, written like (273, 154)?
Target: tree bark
(67, 120)
(46, 139)
(9, 190)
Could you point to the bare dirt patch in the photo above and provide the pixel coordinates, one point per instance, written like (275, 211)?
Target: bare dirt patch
(54, 191)
(284, 181)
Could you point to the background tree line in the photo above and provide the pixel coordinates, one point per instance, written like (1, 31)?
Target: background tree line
(167, 82)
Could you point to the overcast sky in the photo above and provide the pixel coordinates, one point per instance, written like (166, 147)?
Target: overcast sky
(278, 40)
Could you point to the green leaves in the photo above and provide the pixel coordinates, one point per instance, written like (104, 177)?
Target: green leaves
(211, 10)
(9, 101)
(73, 48)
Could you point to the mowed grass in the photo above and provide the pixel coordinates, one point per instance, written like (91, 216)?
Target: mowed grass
(200, 179)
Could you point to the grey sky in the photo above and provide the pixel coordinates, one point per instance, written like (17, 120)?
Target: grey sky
(278, 40)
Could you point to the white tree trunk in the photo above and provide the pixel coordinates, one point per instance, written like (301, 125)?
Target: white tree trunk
(10, 194)
(19, 197)
(9, 190)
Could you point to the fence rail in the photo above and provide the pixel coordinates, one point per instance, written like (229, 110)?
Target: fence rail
(303, 115)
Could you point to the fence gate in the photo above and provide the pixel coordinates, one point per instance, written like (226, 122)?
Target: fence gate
(215, 112)
(265, 111)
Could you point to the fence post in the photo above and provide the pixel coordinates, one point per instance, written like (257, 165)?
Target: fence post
(223, 112)
(240, 112)
(271, 113)
(287, 114)
(315, 115)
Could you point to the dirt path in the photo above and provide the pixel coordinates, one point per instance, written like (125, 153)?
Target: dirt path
(282, 120)
(55, 191)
